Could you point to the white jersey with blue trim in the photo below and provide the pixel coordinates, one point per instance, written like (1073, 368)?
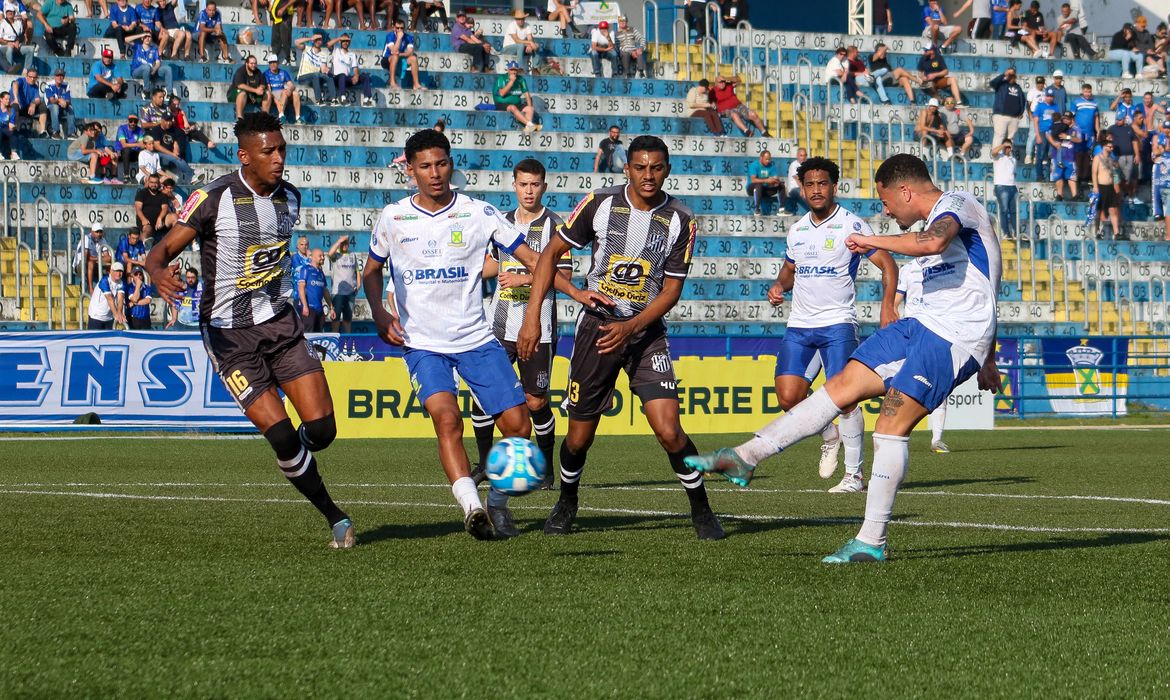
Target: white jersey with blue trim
(436, 265)
(959, 285)
(824, 292)
(910, 287)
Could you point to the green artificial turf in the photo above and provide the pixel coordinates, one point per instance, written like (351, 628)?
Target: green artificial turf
(226, 588)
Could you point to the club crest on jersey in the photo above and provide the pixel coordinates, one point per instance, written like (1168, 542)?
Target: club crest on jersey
(660, 363)
(857, 226)
(542, 380)
(456, 239)
(285, 224)
(830, 243)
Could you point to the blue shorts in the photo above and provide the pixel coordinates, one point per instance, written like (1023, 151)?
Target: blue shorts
(1161, 201)
(799, 346)
(486, 370)
(1063, 171)
(917, 362)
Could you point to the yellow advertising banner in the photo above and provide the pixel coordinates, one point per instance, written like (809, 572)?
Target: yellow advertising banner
(717, 395)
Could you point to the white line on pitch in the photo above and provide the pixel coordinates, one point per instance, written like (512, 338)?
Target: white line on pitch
(590, 509)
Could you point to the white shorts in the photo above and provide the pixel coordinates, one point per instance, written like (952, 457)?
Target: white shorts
(176, 32)
(944, 29)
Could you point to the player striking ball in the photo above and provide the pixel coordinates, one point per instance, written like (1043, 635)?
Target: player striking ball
(641, 241)
(244, 222)
(910, 291)
(914, 362)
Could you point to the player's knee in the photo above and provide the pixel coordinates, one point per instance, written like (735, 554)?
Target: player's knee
(788, 398)
(671, 437)
(514, 422)
(283, 438)
(535, 403)
(578, 443)
(319, 434)
(447, 422)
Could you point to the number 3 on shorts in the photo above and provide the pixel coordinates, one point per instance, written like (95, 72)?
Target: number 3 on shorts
(574, 392)
(236, 383)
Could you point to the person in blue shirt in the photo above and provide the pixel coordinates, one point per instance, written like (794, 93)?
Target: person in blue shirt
(400, 45)
(301, 257)
(27, 97)
(210, 26)
(999, 12)
(314, 293)
(60, 104)
(1063, 138)
(138, 301)
(1058, 90)
(1124, 106)
(173, 35)
(282, 89)
(764, 183)
(123, 22)
(104, 80)
(7, 127)
(1042, 118)
(148, 18)
(131, 251)
(128, 144)
(1087, 117)
(148, 67)
(1160, 177)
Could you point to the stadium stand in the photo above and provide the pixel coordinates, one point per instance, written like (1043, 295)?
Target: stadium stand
(1059, 279)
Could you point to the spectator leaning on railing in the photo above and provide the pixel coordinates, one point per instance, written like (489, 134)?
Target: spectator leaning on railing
(91, 254)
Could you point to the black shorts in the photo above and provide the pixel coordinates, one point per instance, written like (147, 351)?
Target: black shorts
(252, 360)
(314, 321)
(592, 376)
(95, 325)
(1108, 199)
(343, 306)
(139, 324)
(536, 371)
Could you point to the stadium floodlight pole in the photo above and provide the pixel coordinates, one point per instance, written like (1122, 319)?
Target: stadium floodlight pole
(860, 17)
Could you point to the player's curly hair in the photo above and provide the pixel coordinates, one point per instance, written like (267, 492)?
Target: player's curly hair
(899, 168)
(651, 144)
(256, 123)
(818, 163)
(424, 140)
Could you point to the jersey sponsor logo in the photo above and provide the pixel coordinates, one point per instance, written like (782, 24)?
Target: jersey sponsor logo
(817, 270)
(262, 264)
(197, 197)
(940, 270)
(660, 219)
(620, 210)
(924, 380)
(435, 275)
(243, 200)
(578, 209)
(626, 279)
(406, 217)
(459, 215)
(409, 239)
(432, 250)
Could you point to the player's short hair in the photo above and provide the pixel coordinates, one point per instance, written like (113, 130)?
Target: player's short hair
(530, 166)
(426, 140)
(818, 163)
(256, 123)
(157, 91)
(169, 182)
(650, 144)
(901, 167)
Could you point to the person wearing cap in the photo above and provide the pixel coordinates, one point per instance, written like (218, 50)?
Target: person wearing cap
(931, 130)
(128, 144)
(27, 97)
(698, 106)
(210, 26)
(466, 40)
(148, 163)
(727, 103)
(1123, 106)
(347, 73)
(249, 88)
(1034, 97)
(1063, 138)
(602, 45)
(561, 12)
(1160, 175)
(632, 48)
(138, 300)
(14, 49)
(59, 21)
(424, 9)
(91, 252)
(511, 95)
(280, 86)
(147, 66)
(59, 101)
(933, 74)
(107, 301)
(519, 41)
(400, 46)
(104, 80)
(123, 23)
(1043, 117)
(171, 143)
(934, 25)
(1006, 192)
(1059, 91)
(316, 69)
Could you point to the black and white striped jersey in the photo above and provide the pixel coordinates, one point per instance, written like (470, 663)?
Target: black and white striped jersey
(633, 250)
(244, 249)
(508, 305)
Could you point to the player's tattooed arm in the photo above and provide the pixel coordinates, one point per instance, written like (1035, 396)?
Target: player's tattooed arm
(931, 241)
(942, 229)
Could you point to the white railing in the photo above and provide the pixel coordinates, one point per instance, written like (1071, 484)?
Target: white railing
(1122, 305)
(42, 203)
(1159, 309)
(714, 51)
(966, 170)
(840, 111)
(22, 246)
(682, 41)
(895, 121)
(9, 215)
(801, 104)
(49, 295)
(72, 226)
(653, 14)
(1057, 262)
(712, 9)
(868, 142)
(1093, 282)
(776, 72)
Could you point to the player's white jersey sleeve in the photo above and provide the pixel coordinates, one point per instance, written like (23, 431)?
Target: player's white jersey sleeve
(824, 292)
(380, 236)
(959, 285)
(910, 287)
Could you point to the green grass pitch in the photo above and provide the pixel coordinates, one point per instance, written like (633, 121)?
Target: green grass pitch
(1025, 563)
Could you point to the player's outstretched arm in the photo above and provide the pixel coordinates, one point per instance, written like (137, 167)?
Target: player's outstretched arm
(930, 241)
(160, 257)
(889, 268)
(388, 326)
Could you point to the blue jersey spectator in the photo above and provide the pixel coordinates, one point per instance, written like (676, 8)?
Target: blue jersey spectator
(1087, 117)
(131, 251)
(123, 21)
(1124, 106)
(105, 78)
(313, 293)
(148, 17)
(7, 127)
(999, 10)
(60, 103)
(1044, 114)
(1058, 91)
(314, 280)
(145, 54)
(139, 294)
(148, 67)
(277, 80)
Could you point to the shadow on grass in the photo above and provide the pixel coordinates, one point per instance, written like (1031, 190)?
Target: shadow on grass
(409, 531)
(1114, 539)
(1011, 448)
(910, 485)
(590, 553)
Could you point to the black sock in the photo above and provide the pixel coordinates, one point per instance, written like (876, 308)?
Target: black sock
(308, 481)
(572, 463)
(691, 480)
(545, 426)
(485, 431)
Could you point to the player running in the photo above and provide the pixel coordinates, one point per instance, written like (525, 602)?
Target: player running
(641, 240)
(910, 292)
(915, 362)
(435, 243)
(244, 222)
(821, 273)
(507, 312)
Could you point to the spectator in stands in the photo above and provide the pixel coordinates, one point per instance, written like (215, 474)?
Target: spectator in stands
(980, 25)
(699, 106)
(510, 92)
(131, 251)
(314, 293)
(602, 45)
(148, 162)
(248, 87)
(1034, 98)
(611, 155)
(960, 128)
(837, 71)
(1072, 26)
(92, 253)
(727, 104)
(141, 294)
(858, 72)
(128, 145)
(107, 301)
(519, 42)
(1044, 40)
(883, 18)
(173, 35)
(401, 46)
(934, 26)
(1154, 112)
(93, 149)
(466, 40)
(169, 141)
(123, 23)
(1004, 179)
(562, 13)
(1059, 92)
(15, 52)
(59, 101)
(1123, 106)
(1143, 40)
(1123, 48)
(931, 130)
(189, 128)
(347, 73)
(794, 200)
(1161, 176)
(345, 266)
(148, 18)
(27, 97)
(1016, 30)
(152, 111)
(282, 26)
(58, 19)
(8, 112)
(999, 14)
(210, 26)
(317, 69)
(186, 310)
(1107, 189)
(176, 199)
(423, 10)
(152, 209)
(696, 11)
(934, 74)
(147, 66)
(1127, 153)
(1010, 104)
(632, 47)
(883, 74)
(732, 12)
(301, 257)
(764, 183)
(1063, 138)
(280, 86)
(104, 80)
(1043, 117)
(1153, 50)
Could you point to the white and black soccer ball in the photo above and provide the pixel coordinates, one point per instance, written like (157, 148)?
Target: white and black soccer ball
(516, 466)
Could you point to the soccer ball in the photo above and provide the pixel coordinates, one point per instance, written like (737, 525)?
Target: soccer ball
(516, 466)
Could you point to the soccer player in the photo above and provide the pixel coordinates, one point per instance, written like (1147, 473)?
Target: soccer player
(435, 243)
(910, 293)
(641, 239)
(507, 312)
(256, 342)
(914, 362)
(821, 273)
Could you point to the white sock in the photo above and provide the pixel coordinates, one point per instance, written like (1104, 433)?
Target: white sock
(891, 453)
(852, 434)
(830, 434)
(465, 494)
(937, 421)
(809, 417)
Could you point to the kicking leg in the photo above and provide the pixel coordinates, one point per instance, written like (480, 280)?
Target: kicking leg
(448, 422)
(514, 422)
